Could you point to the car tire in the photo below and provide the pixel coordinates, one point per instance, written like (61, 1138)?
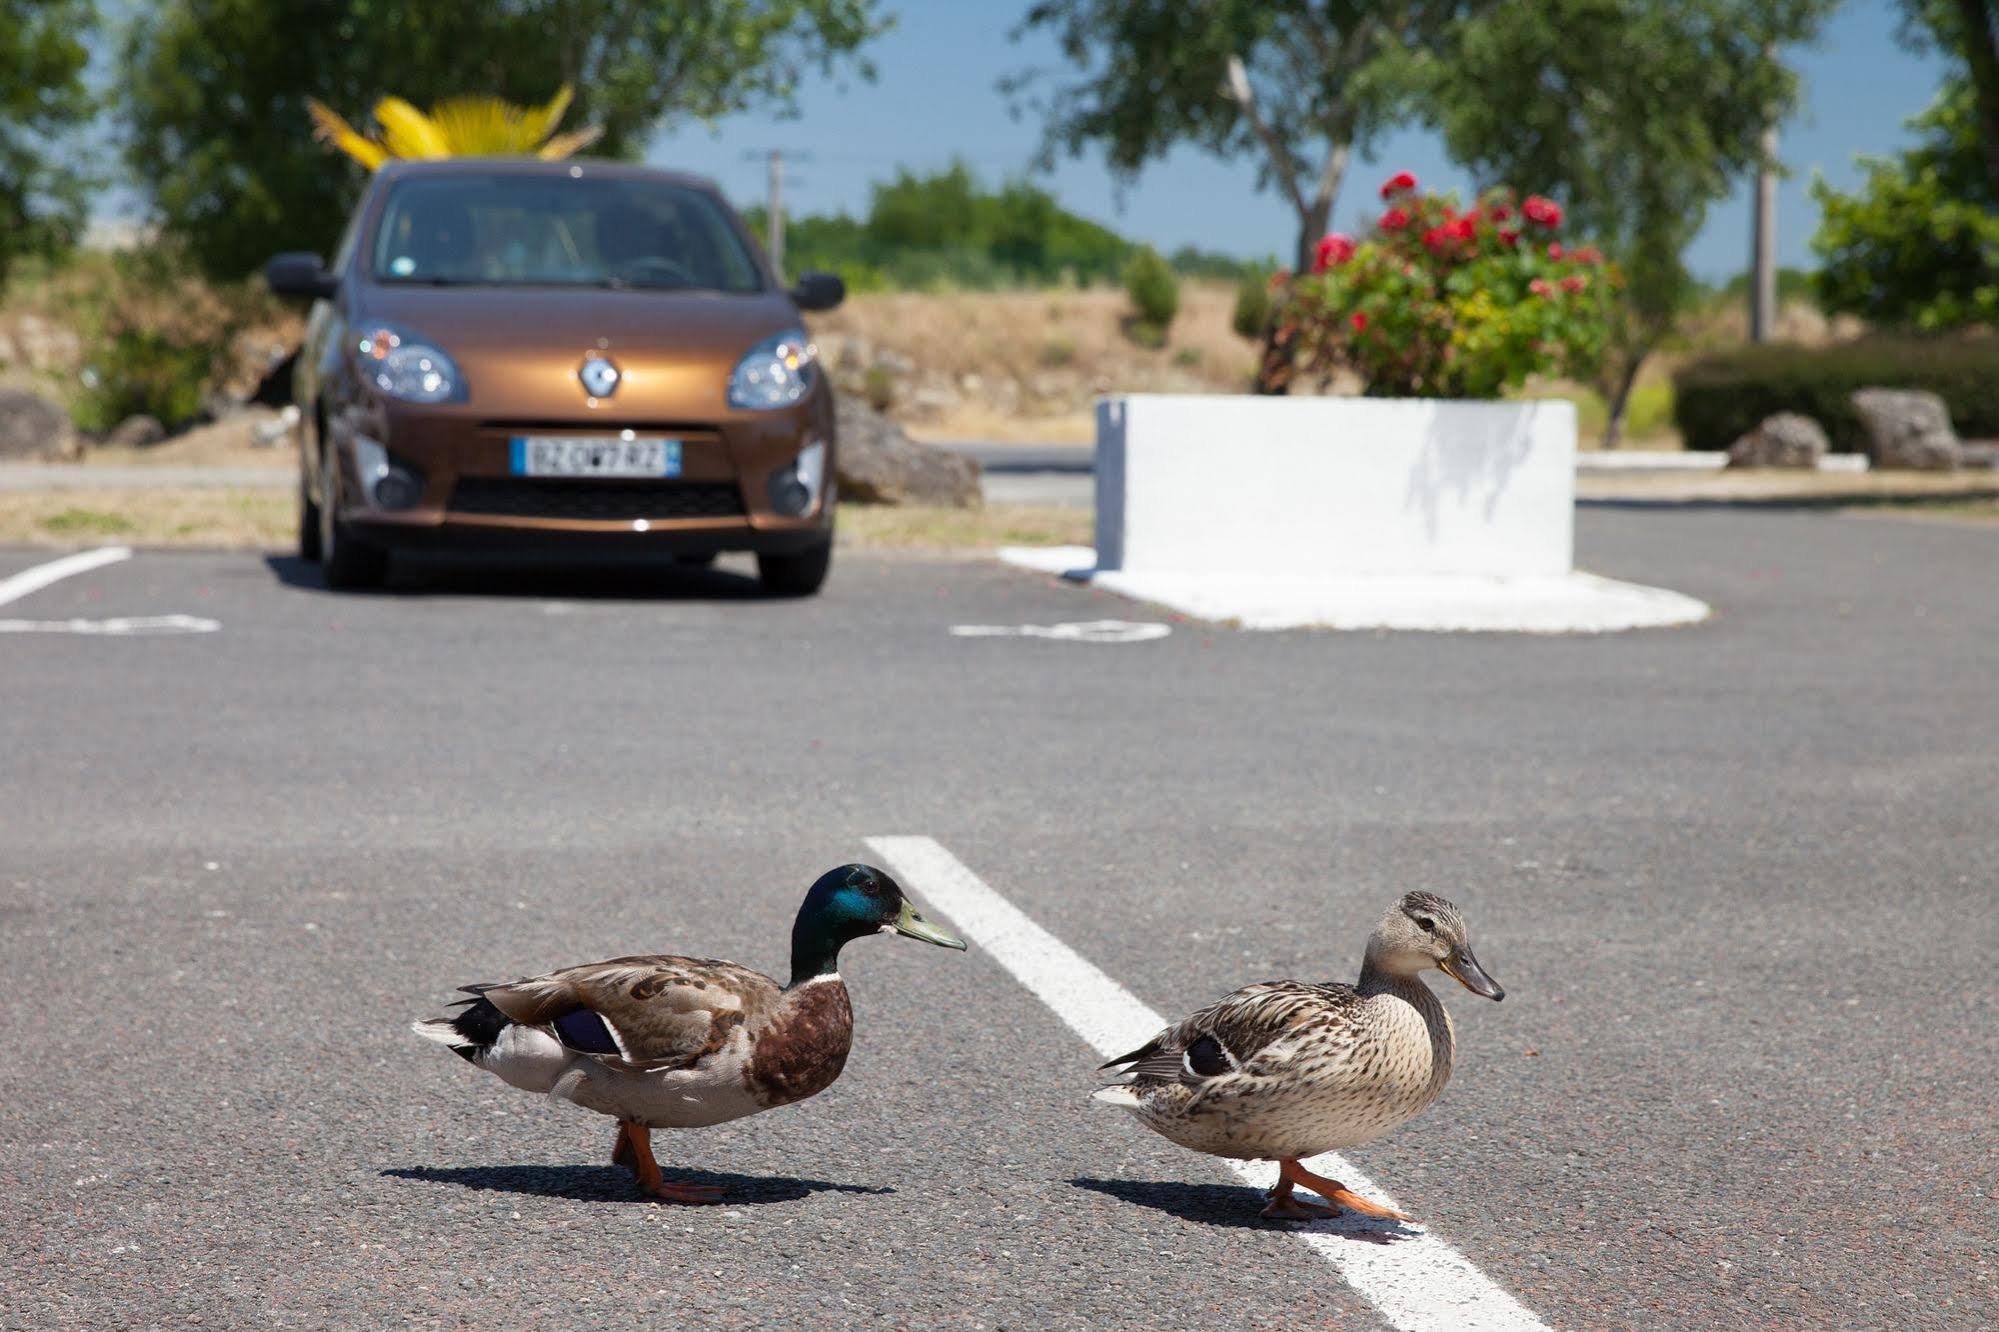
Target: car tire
(347, 563)
(308, 523)
(798, 574)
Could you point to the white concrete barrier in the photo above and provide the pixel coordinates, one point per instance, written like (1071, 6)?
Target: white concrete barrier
(1316, 488)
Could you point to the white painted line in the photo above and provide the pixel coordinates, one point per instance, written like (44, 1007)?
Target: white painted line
(1079, 631)
(1419, 1284)
(123, 626)
(39, 577)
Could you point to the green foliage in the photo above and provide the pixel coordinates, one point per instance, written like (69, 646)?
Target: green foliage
(1918, 244)
(878, 386)
(1145, 76)
(1149, 336)
(1721, 396)
(1440, 303)
(1154, 291)
(1194, 262)
(1795, 286)
(43, 193)
(213, 92)
(1253, 303)
(156, 337)
(1638, 114)
(946, 230)
(1058, 352)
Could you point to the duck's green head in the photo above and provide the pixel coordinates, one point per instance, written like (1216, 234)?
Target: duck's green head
(845, 904)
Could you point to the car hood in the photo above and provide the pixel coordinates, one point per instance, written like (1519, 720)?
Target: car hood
(520, 347)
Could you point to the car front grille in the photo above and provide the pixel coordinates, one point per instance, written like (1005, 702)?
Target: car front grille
(599, 501)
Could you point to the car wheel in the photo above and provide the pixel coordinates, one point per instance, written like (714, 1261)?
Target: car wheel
(308, 522)
(796, 575)
(347, 563)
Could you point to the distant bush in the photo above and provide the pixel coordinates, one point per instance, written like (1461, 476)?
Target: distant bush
(1252, 306)
(878, 386)
(1154, 292)
(1722, 396)
(144, 372)
(1058, 352)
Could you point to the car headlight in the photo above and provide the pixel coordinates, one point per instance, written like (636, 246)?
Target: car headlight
(403, 365)
(777, 372)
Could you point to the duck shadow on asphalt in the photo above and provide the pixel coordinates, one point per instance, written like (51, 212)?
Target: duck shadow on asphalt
(1234, 1207)
(611, 1184)
(438, 576)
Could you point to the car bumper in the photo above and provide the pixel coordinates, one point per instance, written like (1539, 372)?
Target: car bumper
(466, 495)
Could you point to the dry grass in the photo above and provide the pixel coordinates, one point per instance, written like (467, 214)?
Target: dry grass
(266, 520)
(1776, 486)
(916, 528)
(230, 443)
(242, 519)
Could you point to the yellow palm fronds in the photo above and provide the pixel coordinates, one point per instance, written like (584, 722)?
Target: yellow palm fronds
(455, 127)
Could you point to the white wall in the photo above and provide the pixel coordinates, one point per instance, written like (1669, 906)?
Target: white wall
(1302, 488)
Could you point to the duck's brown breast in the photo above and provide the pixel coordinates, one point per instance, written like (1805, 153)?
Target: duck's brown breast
(801, 1050)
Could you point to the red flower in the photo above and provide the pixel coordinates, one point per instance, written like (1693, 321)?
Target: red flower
(1394, 220)
(1588, 254)
(1574, 282)
(1279, 278)
(1333, 249)
(1436, 238)
(1465, 228)
(1499, 212)
(1554, 249)
(1398, 183)
(1359, 321)
(1540, 287)
(1510, 237)
(1543, 212)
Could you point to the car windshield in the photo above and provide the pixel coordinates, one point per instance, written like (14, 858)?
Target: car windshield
(558, 230)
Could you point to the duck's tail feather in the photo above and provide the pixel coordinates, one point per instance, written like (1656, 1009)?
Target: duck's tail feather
(469, 1033)
(1120, 1094)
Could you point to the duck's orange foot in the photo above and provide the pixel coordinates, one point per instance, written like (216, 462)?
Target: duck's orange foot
(633, 1151)
(1290, 1173)
(1286, 1207)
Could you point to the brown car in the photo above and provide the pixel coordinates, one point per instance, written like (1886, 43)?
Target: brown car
(558, 357)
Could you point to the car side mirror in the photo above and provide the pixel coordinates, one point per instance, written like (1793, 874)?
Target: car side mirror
(300, 274)
(818, 291)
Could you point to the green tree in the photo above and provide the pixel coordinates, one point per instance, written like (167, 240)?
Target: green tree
(43, 192)
(213, 93)
(1638, 114)
(1918, 244)
(1968, 32)
(1297, 85)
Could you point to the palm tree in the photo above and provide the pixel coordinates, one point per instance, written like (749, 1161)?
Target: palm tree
(455, 127)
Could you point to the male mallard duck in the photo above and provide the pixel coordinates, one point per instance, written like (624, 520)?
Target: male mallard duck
(1282, 1070)
(683, 1042)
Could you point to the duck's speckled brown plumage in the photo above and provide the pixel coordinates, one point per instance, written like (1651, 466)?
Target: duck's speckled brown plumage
(1285, 1069)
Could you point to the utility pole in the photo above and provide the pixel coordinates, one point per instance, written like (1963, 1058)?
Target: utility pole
(1763, 239)
(776, 219)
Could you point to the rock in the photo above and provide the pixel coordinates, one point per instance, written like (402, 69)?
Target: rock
(1979, 455)
(33, 427)
(1787, 439)
(135, 432)
(45, 347)
(881, 465)
(1909, 429)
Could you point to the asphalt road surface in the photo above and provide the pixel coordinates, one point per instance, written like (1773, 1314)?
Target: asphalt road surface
(1737, 880)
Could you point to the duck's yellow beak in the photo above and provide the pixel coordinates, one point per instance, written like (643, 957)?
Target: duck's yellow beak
(916, 927)
(1463, 968)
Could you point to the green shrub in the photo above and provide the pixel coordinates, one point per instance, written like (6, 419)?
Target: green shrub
(1154, 291)
(1142, 334)
(1252, 306)
(1187, 357)
(144, 372)
(1058, 352)
(878, 386)
(1720, 397)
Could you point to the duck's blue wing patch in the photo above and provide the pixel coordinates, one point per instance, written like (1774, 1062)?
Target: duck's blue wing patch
(583, 1031)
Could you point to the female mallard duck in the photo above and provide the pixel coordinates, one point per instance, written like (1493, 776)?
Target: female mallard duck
(683, 1042)
(1282, 1070)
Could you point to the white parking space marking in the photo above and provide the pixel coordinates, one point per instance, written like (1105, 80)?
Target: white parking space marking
(117, 627)
(1081, 631)
(1417, 1283)
(39, 577)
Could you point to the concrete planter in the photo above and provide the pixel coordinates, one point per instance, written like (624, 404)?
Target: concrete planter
(1315, 488)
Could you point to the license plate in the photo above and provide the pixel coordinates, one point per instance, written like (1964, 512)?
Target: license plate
(557, 455)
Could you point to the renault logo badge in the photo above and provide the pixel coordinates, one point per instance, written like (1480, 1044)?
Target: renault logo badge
(599, 376)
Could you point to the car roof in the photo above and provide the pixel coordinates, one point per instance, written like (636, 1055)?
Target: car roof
(403, 167)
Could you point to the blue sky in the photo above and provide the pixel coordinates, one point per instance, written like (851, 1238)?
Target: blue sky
(936, 98)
